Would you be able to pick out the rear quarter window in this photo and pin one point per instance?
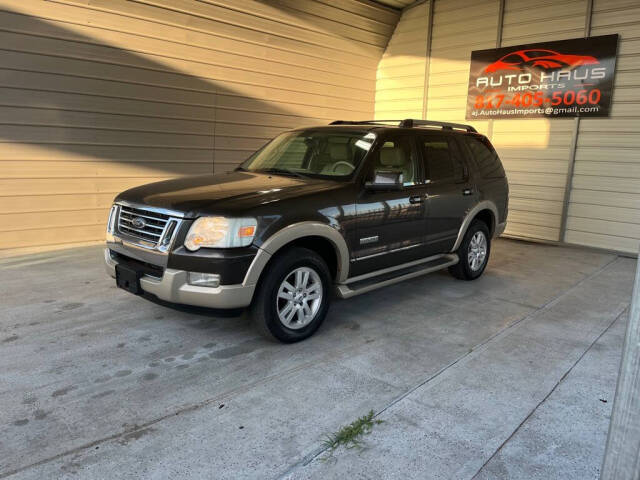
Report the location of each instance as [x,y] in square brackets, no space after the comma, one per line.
[485,157]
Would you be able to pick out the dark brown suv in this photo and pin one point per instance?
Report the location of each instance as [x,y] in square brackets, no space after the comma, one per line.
[344,209]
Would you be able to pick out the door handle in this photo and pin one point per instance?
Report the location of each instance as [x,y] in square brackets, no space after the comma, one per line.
[417,198]
[467,191]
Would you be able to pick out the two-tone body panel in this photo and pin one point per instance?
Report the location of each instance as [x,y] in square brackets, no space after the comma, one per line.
[368,230]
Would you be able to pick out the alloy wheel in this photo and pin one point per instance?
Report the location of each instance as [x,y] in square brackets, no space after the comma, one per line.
[477,253]
[299,298]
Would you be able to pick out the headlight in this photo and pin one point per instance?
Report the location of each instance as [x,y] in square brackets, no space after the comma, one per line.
[220,232]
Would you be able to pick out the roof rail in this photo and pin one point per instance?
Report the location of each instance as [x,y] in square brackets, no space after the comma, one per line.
[363,122]
[409,123]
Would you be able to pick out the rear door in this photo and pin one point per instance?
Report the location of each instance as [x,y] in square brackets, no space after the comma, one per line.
[450,189]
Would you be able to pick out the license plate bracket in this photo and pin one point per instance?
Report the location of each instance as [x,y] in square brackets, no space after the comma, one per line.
[128,279]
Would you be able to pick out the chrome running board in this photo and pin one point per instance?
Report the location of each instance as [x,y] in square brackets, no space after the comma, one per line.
[388,276]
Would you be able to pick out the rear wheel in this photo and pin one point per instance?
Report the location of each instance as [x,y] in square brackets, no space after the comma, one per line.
[293,296]
[473,252]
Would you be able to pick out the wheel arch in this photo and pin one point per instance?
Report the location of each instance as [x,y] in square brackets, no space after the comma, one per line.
[486,211]
[325,240]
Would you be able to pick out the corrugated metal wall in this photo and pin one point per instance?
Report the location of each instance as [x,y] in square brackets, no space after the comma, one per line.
[605,199]
[459,26]
[536,152]
[604,208]
[401,72]
[100,95]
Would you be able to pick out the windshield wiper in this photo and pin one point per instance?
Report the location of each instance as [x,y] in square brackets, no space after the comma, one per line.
[282,171]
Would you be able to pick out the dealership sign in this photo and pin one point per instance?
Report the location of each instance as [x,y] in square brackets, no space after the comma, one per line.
[567,78]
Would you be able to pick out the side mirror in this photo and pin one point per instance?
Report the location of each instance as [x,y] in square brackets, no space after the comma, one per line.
[385,180]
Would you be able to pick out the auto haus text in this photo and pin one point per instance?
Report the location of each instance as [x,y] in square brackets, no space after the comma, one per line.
[544,81]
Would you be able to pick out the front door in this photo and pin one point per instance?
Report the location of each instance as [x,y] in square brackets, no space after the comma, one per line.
[451,191]
[391,224]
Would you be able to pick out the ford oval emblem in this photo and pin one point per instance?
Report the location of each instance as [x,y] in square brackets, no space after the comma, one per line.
[138,222]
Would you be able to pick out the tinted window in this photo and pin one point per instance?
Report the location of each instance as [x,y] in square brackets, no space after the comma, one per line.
[398,155]
[486,157]
[441,161]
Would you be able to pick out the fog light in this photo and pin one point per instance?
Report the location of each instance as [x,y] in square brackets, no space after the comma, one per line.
[203,279]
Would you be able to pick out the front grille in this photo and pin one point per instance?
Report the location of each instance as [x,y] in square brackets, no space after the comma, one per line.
[151,225]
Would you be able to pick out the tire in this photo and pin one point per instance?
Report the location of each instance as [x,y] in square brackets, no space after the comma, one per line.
[472,246]
[270,309]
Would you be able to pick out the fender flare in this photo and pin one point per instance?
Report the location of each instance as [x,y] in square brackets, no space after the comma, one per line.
[483,205]
[293,232]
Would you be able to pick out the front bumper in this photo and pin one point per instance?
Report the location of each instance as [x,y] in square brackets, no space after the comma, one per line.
[173,287]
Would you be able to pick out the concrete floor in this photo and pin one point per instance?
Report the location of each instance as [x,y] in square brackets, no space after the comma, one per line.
[511,376]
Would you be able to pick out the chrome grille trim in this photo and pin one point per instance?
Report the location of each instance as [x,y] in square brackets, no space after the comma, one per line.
[142,233]
[156,231]
[151,210]
[148,225]
[145,232]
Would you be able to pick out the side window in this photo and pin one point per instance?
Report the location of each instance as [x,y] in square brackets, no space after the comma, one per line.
[442,162]
[486,157]
[398,155]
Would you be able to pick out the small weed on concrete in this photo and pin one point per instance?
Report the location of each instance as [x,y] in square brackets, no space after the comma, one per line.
[351,435]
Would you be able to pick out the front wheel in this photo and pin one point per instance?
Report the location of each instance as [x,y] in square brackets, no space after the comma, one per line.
[473,252]
[293,296]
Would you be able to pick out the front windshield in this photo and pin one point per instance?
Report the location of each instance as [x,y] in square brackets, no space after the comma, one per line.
[321,153]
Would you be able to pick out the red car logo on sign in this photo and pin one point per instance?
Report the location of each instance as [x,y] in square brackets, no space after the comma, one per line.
[547,59]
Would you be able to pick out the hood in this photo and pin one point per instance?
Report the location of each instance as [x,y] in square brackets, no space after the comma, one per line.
[227,193]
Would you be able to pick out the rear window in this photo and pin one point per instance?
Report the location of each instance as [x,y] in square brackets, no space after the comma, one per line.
[485,156]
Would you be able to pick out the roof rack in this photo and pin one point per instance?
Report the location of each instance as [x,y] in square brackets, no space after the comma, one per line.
[409,123]
[364,122]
